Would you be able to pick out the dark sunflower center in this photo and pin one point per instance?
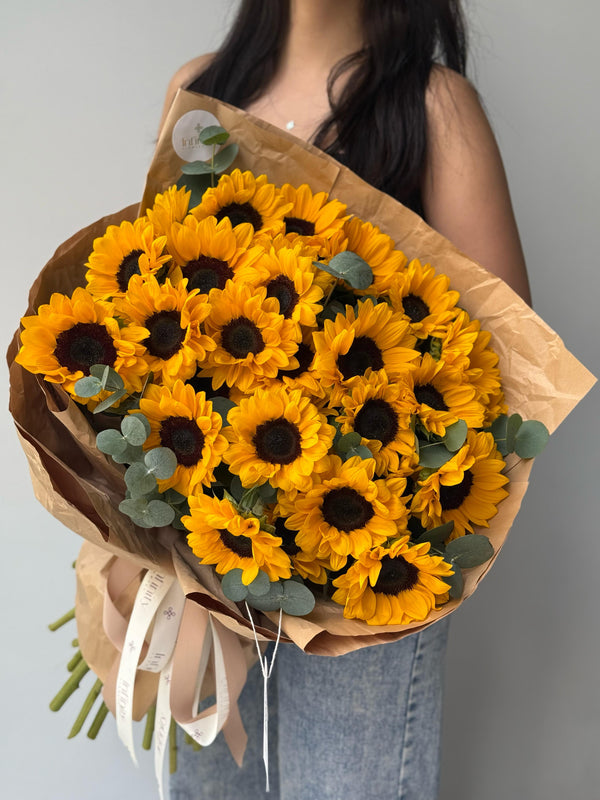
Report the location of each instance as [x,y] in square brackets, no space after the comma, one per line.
[184,438]
[297,225]
[428,395]
[166,334]
[288,544]
[239,213]
[284,290]
[240,545]
[201,384]
[277,441]
[363,354]
[346,509]
[83,345]
[304,355]
[240,337]
[377,420]
[415,307]
[397,575]
[206,273]
[128,267]
[452,497]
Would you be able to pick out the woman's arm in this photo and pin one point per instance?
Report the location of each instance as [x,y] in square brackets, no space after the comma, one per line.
[465,192]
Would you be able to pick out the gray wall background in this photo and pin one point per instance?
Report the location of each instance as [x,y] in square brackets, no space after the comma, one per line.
[81,88]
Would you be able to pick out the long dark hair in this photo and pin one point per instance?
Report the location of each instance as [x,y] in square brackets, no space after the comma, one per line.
[378,126]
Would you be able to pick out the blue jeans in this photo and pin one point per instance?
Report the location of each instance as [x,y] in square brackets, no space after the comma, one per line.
[364,725]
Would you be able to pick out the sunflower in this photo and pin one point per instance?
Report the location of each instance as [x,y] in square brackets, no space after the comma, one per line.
[374,337]
[303,376]
[424,298]
[242,197]
[456,343]
[253,341]
[169,207]
[225,539]
[377,249]
[484,374]
[277,436]
[172,316]
[311,214]
[208,253]
[288,276]
[377,410]
[393,585]
[441,395]
[69,335]
[304,564]
[466,489]
[123,251]
[184,421]
[346,511]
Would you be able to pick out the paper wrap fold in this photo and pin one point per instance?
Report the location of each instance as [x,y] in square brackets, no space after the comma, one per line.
[82,487]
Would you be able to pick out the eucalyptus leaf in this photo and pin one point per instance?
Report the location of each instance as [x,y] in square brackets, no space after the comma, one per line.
[161,461]
[260,585]
[350,267]
[514,423]
[270,601]
[236,489]
[133,507]
[111,400]
[197,185]
[197,168]
[232,586]
[331,310]
[135,428]
[174,498]
[455,435]
[347,441]
[268,493]
[159,514]
[222,405]
[111,442]
[438,535]
[250,497]
[470,550]
[297,599]
[88,386]
[531,438]
[139,481]
[457,583]
[225,157]
[129,456]
[498,431]
[178,524]
[213,134]
[433,456]
[362,451]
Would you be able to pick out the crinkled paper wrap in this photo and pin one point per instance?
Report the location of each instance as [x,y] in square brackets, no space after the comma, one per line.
[81,487]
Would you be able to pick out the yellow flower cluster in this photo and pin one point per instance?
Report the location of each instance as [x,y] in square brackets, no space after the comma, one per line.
[227,299]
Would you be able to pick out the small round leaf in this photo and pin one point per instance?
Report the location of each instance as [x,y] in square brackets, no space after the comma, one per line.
[297,599]
[455,435]
[139,481]
[270,601]
[470,550]
[531,438]
[158,514]
[260,585]
[232,586]
[88,386]
[135,428]
[161,461]
[111,442]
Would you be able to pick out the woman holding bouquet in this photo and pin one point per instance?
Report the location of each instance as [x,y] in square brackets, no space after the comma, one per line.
[379,85]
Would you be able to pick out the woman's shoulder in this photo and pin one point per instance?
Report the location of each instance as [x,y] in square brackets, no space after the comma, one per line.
[183,77]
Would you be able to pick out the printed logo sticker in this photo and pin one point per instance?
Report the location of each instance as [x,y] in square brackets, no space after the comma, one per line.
[187,129]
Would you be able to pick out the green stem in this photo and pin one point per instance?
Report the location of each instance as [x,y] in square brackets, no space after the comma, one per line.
[173,747]
[192,742]
[54,626]
[98,720]
[149,730]
[74,661]
[72,683]
[85,709]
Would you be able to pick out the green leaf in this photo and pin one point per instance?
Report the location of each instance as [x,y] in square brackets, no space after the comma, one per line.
[178,524]
[268,493]
[197,168]
[173,498]
[222,405]
[134,508]
[111,442]
[297,599]
[135,428]
[351,268]
[110,401]
[130,455]
[161,461]
[362,451]
[139,480]
[88,386]
[260,585]
[331,310]
[436,536]
[433,456]
[514,423]
[197,185]
[531,438]
[347,441]
[250,497]
[470,550]
[109,378]
[457,583]
[455,435]
[270,601]
[236,489]
[158,514]
[498,431]
[232,586]
[225,157]
[213,134]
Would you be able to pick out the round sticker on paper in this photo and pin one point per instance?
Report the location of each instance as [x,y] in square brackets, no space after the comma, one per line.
[187,129]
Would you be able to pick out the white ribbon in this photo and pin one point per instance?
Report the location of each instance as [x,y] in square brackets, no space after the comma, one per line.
[151,593]
[162,726]
[166,628]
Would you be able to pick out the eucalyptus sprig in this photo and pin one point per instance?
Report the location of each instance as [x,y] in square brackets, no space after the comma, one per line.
[198,176]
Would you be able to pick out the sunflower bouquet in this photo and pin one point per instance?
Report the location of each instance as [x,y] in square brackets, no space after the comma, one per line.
[293,400]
